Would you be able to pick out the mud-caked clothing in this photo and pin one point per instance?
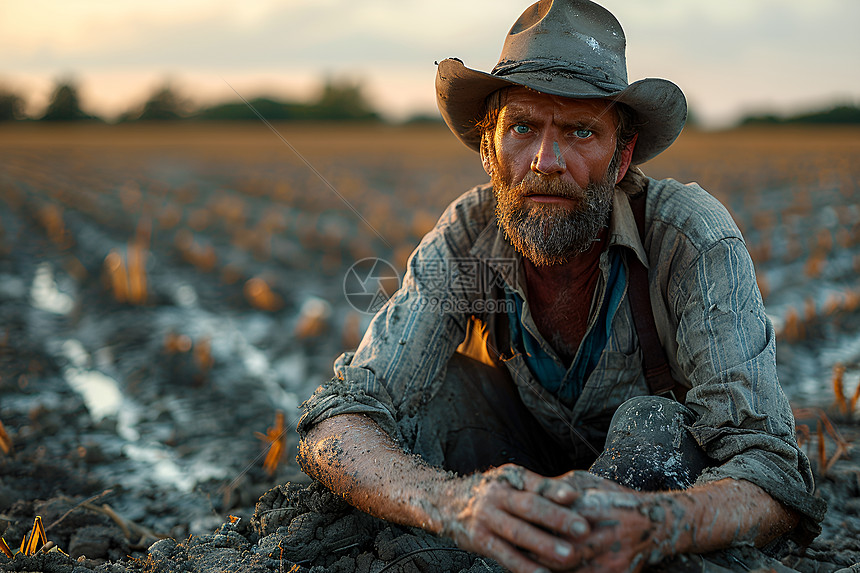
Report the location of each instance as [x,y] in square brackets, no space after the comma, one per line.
[464,285]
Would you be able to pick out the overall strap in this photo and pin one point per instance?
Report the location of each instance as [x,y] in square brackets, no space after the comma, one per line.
[654,363]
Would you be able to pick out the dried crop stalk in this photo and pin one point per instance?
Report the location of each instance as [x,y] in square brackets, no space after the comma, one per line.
[5,440]
[276,438]
[34,540]
[838,388]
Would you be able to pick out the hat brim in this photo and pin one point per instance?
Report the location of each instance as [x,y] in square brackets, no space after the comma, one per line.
[660,105]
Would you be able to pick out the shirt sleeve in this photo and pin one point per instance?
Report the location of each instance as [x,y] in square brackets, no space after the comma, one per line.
[727,348]
[402,358]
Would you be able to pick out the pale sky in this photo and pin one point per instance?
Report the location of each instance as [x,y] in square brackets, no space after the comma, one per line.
[730,57]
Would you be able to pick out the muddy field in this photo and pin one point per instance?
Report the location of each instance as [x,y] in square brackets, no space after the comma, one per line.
[167,291]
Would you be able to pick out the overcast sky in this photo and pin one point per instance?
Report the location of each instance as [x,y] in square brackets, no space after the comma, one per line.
[730,57]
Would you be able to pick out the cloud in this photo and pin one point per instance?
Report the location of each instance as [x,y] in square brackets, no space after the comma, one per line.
[725,54]
[784,54]
[321,33]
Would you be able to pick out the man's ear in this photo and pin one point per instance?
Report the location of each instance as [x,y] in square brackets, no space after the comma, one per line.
[485,153]
[626,157]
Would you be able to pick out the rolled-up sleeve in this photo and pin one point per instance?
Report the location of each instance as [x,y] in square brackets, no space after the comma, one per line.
[727,348]
[353,390]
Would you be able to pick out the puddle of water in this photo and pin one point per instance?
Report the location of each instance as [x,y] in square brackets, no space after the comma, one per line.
[45,295]
[165,469]
[162,469]
[100,392]
[257,364]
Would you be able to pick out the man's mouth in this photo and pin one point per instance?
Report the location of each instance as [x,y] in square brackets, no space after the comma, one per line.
[544,198]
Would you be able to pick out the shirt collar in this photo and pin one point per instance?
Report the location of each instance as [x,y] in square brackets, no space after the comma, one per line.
[622,226]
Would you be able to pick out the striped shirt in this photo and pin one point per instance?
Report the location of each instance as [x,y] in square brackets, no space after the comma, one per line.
[707,306]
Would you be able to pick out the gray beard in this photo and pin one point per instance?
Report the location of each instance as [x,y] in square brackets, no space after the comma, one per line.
[552,234]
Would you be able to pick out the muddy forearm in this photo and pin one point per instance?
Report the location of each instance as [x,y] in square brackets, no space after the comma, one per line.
[508,513]
[719,515]
[355,458]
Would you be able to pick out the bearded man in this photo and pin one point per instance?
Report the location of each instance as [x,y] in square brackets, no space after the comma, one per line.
[552,386]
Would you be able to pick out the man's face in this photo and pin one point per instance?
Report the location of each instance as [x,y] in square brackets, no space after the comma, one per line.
[551,162]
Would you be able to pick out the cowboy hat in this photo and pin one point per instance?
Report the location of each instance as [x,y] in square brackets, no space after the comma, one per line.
[569,48]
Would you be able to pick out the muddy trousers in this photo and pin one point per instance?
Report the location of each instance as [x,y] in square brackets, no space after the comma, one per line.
[477,421]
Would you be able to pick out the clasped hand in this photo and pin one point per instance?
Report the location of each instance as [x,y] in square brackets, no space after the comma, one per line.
[530,523]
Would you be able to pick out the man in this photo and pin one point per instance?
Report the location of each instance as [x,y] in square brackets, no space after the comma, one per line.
[476,402]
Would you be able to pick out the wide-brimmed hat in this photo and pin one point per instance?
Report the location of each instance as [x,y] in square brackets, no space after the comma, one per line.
[570,48]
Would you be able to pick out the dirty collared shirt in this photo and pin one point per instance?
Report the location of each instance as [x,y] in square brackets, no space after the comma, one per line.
[710,318]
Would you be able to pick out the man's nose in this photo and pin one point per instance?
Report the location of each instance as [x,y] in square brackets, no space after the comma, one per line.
[549,159]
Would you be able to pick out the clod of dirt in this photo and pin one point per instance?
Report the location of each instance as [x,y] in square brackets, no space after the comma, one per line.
[98,542]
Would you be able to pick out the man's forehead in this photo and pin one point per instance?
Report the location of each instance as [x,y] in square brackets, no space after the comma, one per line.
[521,100]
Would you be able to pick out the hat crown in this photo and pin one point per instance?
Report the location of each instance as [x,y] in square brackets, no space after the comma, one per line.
[574,34]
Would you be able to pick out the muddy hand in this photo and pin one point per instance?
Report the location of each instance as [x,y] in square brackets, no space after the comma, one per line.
[510,514]
[581,480]
[624,529]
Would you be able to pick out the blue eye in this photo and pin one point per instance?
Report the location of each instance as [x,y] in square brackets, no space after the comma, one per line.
[583,133]
[521,129]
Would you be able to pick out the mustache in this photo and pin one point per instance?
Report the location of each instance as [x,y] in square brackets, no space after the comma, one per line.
[533,184]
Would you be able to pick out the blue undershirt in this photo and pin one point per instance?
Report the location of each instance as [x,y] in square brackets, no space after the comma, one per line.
[567,384]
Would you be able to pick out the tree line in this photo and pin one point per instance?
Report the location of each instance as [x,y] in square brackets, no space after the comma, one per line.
[836,115]
[339,100]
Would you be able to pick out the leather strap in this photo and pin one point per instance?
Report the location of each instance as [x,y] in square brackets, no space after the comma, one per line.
[654,363]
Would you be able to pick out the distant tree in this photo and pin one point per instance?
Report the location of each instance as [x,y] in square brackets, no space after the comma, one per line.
[424,118]
[269,108]
[165,104]
[763,119]
[11,106]
[842,114]
[336,101]
[65,104]
[836,115]
[343,100]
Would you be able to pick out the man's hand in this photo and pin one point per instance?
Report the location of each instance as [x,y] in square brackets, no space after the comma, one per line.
[624,525]
[629,529]
[517,517]
[626,529]
[576,522]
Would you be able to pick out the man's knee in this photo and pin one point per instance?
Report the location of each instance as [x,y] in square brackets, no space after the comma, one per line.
[649,448]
